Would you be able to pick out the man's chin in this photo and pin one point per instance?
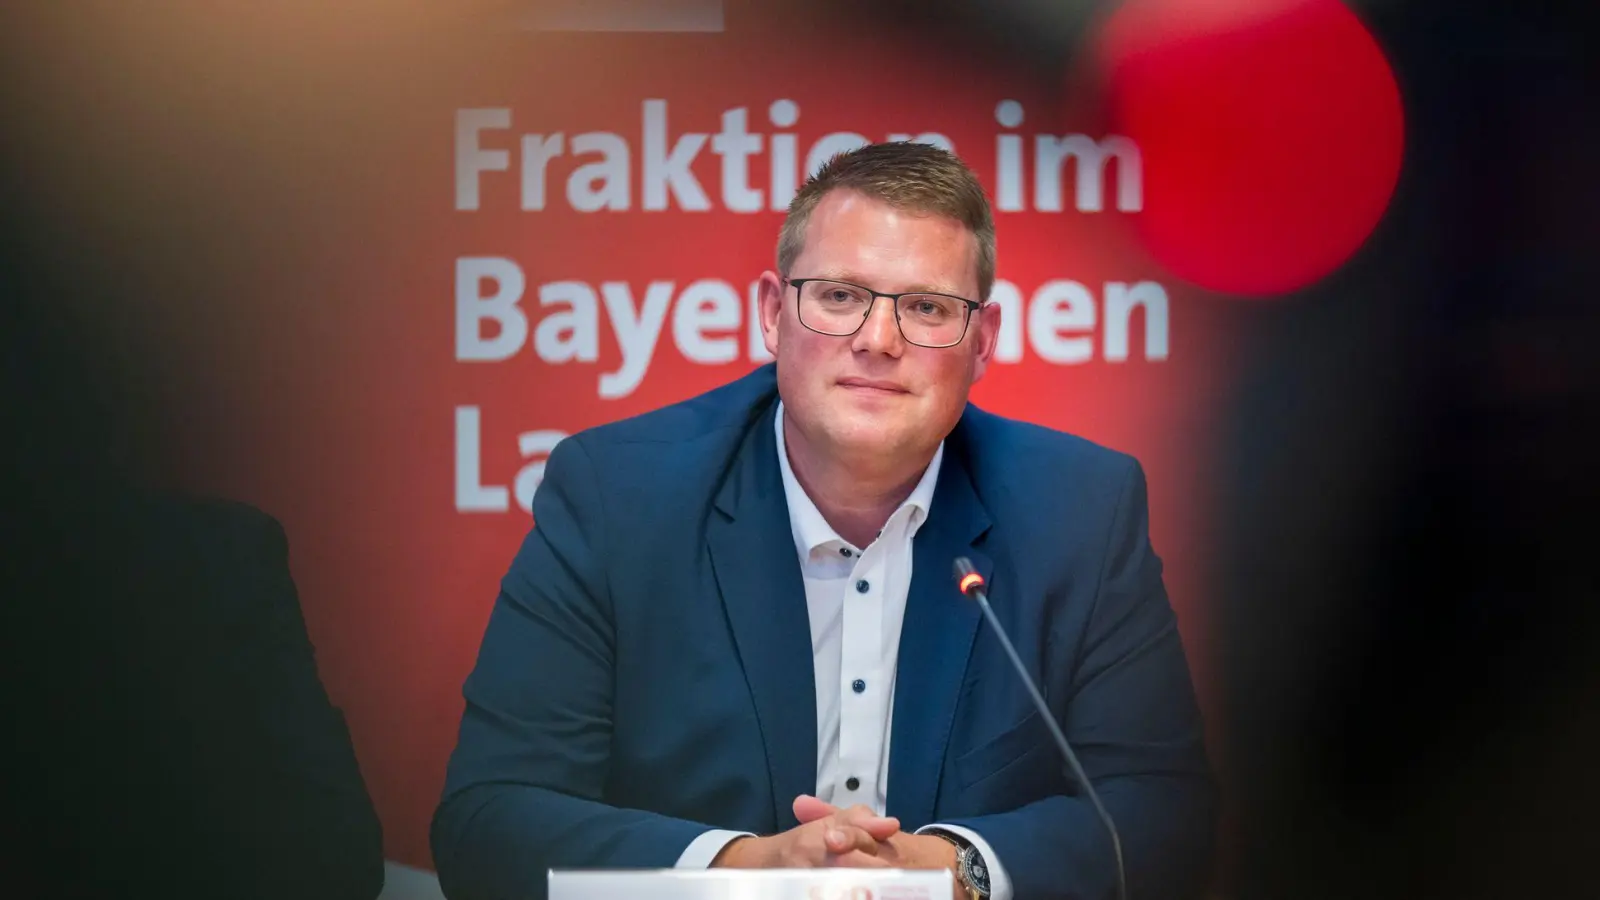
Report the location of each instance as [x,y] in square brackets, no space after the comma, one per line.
[866,435]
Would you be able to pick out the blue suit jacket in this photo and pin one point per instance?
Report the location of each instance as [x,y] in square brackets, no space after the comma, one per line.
[646,672]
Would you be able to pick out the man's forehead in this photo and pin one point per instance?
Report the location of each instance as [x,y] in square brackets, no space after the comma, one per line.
[914,262]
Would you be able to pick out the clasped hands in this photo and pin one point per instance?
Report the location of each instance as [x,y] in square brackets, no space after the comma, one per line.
[828,836]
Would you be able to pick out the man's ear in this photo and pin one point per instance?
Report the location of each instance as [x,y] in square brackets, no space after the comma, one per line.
[770,307]
[985,332]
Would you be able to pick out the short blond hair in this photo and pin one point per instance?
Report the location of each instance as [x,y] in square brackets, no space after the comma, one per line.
[920,178]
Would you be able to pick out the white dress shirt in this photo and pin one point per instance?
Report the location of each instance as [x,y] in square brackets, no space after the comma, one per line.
[856,601]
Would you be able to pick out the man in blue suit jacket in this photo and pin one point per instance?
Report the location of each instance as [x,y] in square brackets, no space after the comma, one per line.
[733,637]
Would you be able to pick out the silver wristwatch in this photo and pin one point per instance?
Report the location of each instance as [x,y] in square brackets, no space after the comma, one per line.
[971,872]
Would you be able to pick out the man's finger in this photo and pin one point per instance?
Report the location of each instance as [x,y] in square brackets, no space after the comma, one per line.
[847,839]
[809,809]
[880,827]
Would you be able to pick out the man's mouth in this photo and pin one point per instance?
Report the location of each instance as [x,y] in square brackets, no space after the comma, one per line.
[873,385]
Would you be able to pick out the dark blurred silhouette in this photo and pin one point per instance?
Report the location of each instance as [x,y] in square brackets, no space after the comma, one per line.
[167,732]
[1408,614]
[174,176]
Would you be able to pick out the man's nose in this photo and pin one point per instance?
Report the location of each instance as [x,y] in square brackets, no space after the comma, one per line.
[880,333]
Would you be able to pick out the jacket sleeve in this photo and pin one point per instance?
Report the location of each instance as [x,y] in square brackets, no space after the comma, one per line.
[1133,721]
[524,792]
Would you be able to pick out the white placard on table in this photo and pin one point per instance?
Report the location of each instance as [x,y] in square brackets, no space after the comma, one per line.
[751,884]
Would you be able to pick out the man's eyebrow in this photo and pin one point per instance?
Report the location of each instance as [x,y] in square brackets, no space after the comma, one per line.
[936,289]
[921,287]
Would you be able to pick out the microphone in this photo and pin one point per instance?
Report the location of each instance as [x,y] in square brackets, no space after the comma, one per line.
[971,584]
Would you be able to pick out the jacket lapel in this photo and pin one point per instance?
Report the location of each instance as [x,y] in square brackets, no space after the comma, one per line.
[758,573]
[935,641]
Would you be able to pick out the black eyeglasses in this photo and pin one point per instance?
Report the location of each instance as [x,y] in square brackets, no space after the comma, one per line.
[839,309]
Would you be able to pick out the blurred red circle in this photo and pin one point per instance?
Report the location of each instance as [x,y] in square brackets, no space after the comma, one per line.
[1270,131]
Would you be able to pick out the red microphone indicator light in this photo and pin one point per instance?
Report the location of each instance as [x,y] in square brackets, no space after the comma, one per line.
[968,578]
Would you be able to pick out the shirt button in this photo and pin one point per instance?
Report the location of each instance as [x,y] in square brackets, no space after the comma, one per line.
[858,685]
[852,783]
[862,586]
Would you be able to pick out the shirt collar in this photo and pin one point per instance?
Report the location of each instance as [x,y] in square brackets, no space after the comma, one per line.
[811,530]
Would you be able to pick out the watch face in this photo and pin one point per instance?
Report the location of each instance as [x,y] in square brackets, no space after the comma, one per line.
[976,873]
